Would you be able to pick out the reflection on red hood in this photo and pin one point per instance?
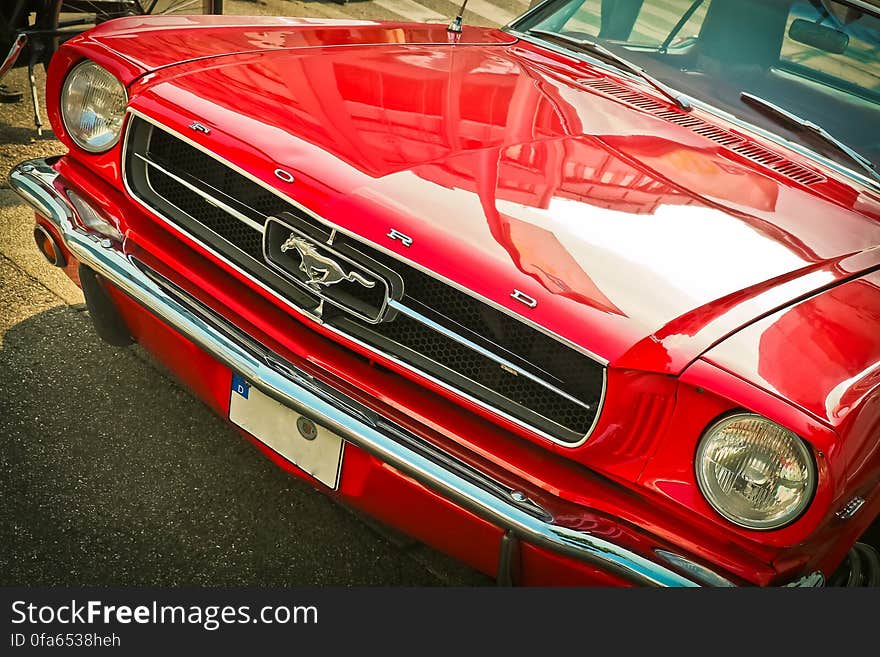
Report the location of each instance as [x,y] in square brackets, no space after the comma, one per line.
[539,253]
[641,240]
[702,175]
[154,42]
[837,345]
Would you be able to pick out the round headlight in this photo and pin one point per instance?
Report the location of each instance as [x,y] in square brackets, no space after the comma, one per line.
[754,472]
[93,107]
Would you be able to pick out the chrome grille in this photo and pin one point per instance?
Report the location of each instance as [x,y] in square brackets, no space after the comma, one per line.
[433,328]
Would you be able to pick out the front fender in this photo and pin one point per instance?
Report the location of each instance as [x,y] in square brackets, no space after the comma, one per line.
[822,355]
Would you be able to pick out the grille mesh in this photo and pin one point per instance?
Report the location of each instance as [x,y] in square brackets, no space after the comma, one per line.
[465,361]
[406,339]
[218,220]
[192,162]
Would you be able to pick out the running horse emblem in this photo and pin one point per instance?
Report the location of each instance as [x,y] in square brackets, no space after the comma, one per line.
[320,269]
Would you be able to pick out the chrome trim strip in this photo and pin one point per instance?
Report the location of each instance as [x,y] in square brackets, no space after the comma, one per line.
[500,351]
[464,395]
[861,4]
[305,313]
[473,346]
[697,570]
[355,236]
[37,181]
[212,200]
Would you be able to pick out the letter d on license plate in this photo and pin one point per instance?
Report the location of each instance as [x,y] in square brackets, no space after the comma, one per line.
[304,443]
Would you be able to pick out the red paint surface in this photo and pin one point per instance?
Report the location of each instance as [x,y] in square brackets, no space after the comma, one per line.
[507,174]
[643,242]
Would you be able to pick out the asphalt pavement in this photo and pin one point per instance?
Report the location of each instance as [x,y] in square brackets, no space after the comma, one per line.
[112,474]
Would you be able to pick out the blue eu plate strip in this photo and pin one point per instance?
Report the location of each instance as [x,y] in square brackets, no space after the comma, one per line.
[240,386]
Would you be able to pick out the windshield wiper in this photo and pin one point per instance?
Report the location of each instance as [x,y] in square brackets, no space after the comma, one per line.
[774,110]
[603,52]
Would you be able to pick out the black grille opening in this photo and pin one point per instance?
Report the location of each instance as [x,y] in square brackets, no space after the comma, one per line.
[190,162]
[510,337]
[433,353]
[212,217]
[196,192]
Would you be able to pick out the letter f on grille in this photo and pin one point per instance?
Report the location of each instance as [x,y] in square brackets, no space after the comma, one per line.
[321,269]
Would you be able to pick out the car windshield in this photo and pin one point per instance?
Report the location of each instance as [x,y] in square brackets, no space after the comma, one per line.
[817,60]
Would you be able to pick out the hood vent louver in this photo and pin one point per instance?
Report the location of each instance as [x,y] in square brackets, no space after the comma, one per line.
[759,154]
[798,173]
[733,142]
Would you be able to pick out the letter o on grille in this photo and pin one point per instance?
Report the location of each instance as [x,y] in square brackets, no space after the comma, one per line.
[286,176]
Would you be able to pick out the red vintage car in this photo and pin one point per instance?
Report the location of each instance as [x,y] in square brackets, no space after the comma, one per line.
[590,299]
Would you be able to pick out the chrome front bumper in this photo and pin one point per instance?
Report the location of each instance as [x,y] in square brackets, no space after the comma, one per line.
[43,188]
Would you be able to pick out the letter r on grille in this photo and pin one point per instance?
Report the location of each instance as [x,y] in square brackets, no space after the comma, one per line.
[406,240]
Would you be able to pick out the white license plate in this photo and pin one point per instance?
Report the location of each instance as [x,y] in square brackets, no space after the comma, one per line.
[304,443]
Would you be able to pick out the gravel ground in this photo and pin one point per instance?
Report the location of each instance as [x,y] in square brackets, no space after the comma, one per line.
[18,139]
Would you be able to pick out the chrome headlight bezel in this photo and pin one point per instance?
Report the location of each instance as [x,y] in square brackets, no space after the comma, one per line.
[792,443]
[112,122]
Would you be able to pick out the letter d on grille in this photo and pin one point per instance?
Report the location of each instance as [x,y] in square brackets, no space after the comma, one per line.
[335,272]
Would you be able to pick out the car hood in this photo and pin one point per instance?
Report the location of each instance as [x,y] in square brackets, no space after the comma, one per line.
[151,43]
[641,240]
